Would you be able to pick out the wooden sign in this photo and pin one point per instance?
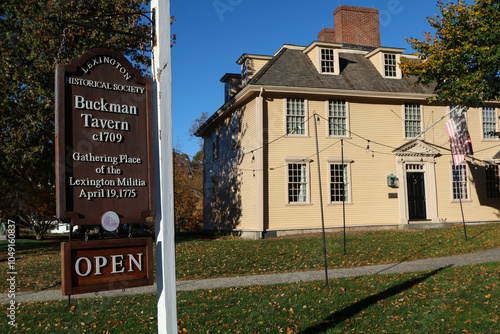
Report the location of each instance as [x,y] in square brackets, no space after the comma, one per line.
[92,266]
[104,140]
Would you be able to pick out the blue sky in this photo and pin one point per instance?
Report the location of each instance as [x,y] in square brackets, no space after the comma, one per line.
[213,34]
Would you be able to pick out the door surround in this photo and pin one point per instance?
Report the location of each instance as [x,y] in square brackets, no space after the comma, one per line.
[417,156]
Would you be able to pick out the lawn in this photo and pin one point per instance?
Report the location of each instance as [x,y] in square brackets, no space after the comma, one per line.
[450,300]
[198,257]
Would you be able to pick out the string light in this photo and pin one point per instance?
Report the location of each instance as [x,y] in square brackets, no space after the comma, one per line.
[368,146]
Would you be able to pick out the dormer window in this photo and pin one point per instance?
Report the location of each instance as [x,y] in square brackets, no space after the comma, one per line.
[386,61]
[327,61]
[390,66]
[325,57]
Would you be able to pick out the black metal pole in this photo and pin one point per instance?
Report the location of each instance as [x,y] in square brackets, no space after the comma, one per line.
[462,210]
[343,193]
[321,201]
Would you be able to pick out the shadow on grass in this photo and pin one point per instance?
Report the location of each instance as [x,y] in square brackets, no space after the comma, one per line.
[351,310]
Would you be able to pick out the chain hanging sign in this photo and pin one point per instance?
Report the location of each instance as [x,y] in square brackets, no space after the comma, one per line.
[104,141]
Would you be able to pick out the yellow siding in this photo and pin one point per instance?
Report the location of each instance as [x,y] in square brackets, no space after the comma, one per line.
[377,62]
[313,55]
[381,122]
[247,135]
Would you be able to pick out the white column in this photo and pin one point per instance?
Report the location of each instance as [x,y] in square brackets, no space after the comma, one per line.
[259,158]
[165,231]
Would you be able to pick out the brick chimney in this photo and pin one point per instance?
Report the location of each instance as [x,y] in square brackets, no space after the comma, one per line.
[353,25]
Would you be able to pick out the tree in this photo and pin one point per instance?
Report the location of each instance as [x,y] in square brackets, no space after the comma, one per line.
[188,199]
[462,59]
[196,125]
[34,38]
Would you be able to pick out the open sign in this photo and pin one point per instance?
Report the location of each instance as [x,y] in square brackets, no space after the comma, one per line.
[92,266]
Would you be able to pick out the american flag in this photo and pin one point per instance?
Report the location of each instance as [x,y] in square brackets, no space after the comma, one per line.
[460,143]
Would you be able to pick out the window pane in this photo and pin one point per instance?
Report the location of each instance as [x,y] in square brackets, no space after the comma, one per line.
[390,65]
[297,182]
[338,183]
[489,122]
[337,118]
[327,61]
[295,116]
[459,182]
[492,181]
[412,120]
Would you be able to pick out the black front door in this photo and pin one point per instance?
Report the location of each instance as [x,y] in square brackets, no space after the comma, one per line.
[416,196]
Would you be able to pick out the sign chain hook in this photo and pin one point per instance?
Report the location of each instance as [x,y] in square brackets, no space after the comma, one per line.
[63,45]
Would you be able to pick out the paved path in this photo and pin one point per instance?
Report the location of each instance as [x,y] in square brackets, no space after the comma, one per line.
[492,255]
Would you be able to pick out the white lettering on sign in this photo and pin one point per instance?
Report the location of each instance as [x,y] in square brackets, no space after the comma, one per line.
[102,105]
[118,264]
[105,85]
[106,60]
[99,123]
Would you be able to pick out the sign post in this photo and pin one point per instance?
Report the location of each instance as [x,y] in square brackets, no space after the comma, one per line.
[165,229]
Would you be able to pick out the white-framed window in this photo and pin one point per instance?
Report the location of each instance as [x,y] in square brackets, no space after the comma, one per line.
[492,181]
[390,65]
[296,116]
[413,120]
[298,182]
[340,180]
[489,120]
[338,118]
[460,182]
[327,60]
[339,183]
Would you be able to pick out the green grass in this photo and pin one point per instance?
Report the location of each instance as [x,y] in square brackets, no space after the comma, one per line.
[198,259]
[450,300]
[38,262]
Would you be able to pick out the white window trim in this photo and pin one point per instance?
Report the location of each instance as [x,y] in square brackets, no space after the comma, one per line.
[347,162]
[467,185]
[482,126]
[422,136]
[336,65]
[382,65]
[306,117]
[348,119]
[298,160]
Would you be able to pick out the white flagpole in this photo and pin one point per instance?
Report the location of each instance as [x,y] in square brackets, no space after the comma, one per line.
[436,122]
[162,109]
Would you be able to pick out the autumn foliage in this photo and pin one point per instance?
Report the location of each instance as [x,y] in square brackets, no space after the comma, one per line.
[188,189]
[462,58]
[34,38]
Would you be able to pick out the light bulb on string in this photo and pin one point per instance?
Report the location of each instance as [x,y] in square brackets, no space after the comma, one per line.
[368,146]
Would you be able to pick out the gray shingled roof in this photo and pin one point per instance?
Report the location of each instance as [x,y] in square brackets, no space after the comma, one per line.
[293,68]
